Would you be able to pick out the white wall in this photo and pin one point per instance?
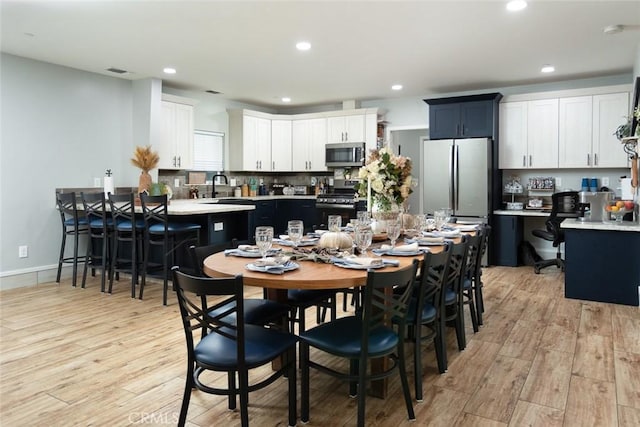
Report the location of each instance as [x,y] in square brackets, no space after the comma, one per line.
[60,128]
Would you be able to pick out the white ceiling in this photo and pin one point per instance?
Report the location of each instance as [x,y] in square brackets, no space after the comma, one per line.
[359,49]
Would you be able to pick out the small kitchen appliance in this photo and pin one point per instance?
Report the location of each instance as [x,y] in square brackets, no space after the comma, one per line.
[591,205]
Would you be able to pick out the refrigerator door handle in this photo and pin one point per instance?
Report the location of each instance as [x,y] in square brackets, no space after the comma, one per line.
[452,169]
[456,179]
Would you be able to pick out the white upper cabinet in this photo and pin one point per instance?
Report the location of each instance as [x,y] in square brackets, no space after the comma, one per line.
[309,139]
[529,134]
[347,128]
[249,142]
[587,126]
[513,135]
[281,139]
[576,132]
[609,112]
[176,139]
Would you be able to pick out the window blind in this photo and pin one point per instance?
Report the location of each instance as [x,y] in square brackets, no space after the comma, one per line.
[208,151]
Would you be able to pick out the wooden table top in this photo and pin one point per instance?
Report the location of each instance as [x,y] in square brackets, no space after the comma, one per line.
[310,275]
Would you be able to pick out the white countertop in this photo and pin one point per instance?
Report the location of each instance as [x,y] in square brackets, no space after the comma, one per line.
[202,206]
[523,212]
[597,225]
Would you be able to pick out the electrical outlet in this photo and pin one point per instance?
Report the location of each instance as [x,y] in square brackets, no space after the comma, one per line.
[558,182]
[23,251]
[176,182]
[97,182]
[218,226]
[605,181]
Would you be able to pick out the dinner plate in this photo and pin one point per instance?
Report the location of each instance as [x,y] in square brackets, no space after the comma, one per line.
[250,253]
[303,242]
[468,227]
[397,253]
[425,243]
[355,266]
[273,269]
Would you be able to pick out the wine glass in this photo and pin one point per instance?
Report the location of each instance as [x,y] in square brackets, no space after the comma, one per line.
[334,223]
[440,218]
[264,239]
[364,218]
[364,236]
[393,231]
[295,229]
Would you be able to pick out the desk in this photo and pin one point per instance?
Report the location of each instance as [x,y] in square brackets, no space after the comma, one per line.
[508,233]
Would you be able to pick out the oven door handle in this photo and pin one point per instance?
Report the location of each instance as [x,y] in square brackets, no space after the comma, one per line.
[334,206]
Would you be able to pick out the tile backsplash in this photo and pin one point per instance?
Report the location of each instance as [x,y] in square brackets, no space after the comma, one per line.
[181,177]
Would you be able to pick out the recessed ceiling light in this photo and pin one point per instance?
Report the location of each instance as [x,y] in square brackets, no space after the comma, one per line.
[613,29]
[169,70]
[516,5]
[548,69]
[286,99]
[396,87]
[303,45]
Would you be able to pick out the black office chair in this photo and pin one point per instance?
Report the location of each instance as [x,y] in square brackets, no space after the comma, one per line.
[563,205]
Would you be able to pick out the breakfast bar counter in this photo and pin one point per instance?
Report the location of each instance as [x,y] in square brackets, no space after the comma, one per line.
[602,261]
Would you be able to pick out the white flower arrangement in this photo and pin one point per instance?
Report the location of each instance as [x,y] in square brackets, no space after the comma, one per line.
[385,179]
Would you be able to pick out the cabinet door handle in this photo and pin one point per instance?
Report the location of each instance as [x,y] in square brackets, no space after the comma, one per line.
[257,165]
[588,159]
[309,164]
[524,160]
[273,165]
[179,161]
[457,129]
[595,159]
[530,160]
[464,130]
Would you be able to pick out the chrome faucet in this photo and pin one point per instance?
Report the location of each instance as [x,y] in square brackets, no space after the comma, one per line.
[226,181]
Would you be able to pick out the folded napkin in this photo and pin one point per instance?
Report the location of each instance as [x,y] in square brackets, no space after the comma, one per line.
[412,247]
[248,248]
[271,261]
[444,233]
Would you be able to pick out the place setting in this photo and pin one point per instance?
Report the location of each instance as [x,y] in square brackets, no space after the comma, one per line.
[273,265]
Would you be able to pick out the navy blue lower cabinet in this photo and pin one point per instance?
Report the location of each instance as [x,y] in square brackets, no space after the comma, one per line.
[506,237]
[602,265]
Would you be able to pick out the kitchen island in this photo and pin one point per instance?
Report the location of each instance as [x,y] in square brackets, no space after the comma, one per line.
[602,261]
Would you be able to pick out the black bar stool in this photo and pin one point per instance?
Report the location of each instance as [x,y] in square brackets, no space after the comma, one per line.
[100,232]
[74,225]
[127,239]
[160,232]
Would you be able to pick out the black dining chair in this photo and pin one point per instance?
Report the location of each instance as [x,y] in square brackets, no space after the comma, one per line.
[425,312]
[229,346]
[453,300]
[74,224]
[257,311]
[367,334]
[474,248]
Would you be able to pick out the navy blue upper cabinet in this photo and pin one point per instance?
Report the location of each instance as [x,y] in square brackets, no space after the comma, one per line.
[473,116]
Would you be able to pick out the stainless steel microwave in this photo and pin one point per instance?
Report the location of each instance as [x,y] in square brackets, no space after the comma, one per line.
[345,154]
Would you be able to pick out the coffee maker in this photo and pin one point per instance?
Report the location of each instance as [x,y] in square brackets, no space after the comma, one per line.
[591,205]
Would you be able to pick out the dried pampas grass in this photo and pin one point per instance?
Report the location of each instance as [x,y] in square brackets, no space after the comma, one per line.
[145,159]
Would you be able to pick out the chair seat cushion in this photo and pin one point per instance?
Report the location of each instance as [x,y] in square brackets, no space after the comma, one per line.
[450,296]
[173,227]
[543,235]
[97,223]
[466,283]
[342,338]
[428,312]
[256,311]
[126,225]
[306,297]
[217,352]
[70,222]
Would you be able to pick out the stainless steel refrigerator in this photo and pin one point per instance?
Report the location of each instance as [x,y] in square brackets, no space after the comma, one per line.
[456,174]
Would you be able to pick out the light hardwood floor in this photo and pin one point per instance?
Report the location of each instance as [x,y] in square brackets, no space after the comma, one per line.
[72,356]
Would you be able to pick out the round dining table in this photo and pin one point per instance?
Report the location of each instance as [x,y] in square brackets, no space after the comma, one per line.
[310,275]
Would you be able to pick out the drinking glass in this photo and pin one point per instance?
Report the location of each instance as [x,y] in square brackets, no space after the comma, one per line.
[393,231]
[364,235]
[448,213]
[264,239]
[440,217]
[364,218]
[295,229]
[334,222]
